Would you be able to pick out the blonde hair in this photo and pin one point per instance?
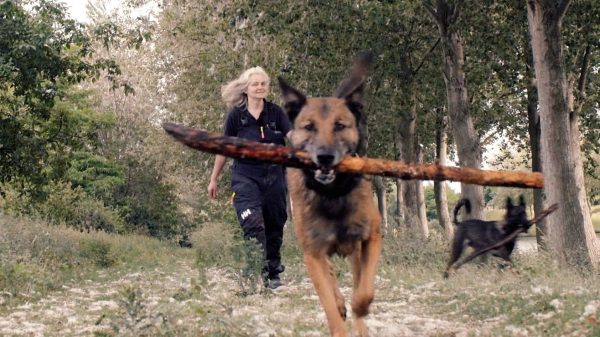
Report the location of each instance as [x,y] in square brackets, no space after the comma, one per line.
[233,93]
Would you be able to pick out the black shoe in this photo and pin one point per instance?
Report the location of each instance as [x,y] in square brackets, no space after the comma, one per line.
[274,283]
[274,273]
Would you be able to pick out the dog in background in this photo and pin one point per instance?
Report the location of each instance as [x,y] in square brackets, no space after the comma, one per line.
[480,234]
[333,212]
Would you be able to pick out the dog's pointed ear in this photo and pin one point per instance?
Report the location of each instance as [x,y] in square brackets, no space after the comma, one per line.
[509,203]
[522,200]
[352,88]
[294,100]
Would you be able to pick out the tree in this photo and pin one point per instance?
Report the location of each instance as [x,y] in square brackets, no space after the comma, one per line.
[439,187]
[44,54]
[40,48]
[310,44]
[445,15]
[571,236]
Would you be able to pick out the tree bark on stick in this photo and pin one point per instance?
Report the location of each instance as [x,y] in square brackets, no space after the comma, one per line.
[241,148]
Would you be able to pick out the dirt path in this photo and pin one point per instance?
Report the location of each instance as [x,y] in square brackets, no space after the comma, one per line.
[82,309]
[156,302]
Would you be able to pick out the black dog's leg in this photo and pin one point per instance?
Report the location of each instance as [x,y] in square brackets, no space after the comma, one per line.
[504,253]
[455,251]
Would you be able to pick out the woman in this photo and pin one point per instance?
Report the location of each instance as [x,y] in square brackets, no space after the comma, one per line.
[259,188]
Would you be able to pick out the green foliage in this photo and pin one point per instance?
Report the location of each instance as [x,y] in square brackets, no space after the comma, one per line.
[33,260]
[452,198]
[134,318]
[36,57]
[98,252]
[96,175]
[63,205]
[37,258]
[222,244]
[250,279]
[42,117]
[409,250]
[75,208]
[148,203]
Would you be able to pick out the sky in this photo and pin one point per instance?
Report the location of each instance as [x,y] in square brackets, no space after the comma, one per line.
[77,9]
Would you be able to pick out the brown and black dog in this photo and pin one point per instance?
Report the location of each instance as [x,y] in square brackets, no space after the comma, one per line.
[334,213]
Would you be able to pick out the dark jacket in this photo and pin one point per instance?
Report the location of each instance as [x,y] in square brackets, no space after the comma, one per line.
[271,127]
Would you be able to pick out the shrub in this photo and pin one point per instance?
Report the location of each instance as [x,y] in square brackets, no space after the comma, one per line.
[79,210]
[97,252]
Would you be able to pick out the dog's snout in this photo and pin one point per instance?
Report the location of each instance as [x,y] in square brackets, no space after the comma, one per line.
[325,158]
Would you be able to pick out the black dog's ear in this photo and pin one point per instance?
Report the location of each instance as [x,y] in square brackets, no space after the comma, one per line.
[509,203]
[294,99]
[522,200]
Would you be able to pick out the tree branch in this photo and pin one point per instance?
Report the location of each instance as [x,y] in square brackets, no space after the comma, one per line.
[585,63]
[282,155]
[432,12]
[425,56]
[561,9]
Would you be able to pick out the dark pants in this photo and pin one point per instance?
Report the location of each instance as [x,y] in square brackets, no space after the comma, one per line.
[260,204]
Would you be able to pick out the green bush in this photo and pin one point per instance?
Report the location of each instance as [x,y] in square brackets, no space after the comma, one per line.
[149,204]
[63,205]
[409,249]
[97,252]
[79,210]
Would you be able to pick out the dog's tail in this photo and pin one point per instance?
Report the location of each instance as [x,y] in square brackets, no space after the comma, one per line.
[462,202]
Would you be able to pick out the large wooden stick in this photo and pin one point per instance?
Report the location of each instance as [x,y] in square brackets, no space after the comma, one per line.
[242,148]
[507,239]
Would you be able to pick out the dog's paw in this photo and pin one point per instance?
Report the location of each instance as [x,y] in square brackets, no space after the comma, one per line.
[359,328]
[360,305]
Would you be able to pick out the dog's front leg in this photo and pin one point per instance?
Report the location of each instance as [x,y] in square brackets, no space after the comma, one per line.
[319,268]
[364,265]
[339,298]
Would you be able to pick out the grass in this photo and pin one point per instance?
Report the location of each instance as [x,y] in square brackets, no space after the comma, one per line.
[497,214]
[536,298]
[595,210]
[36,258]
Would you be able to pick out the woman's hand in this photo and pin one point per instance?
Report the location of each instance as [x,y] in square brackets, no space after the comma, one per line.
[212,189]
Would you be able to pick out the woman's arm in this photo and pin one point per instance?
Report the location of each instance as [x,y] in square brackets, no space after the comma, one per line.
[214,177]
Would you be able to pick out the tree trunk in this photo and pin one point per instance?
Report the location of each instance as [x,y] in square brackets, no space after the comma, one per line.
[399,204]
[533,118]
[407,128]
[467,142]
[570,234]
[381,200]
[422,209]
[439,187]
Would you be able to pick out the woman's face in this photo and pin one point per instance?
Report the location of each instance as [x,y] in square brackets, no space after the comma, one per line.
[258,87]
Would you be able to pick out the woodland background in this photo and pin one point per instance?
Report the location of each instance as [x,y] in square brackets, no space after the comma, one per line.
[81,104]
[95,198]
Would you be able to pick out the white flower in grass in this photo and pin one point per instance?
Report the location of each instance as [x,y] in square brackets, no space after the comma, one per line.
[556,304]
[540,290]
[591,308]
[517,331]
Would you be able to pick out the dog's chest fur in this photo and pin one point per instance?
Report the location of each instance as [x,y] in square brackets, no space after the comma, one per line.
[337,223]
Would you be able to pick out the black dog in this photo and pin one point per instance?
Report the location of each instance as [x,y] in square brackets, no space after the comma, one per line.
[480,234]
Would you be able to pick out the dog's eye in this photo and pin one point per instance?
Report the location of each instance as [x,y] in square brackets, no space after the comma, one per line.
[310,127]
[338,127]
